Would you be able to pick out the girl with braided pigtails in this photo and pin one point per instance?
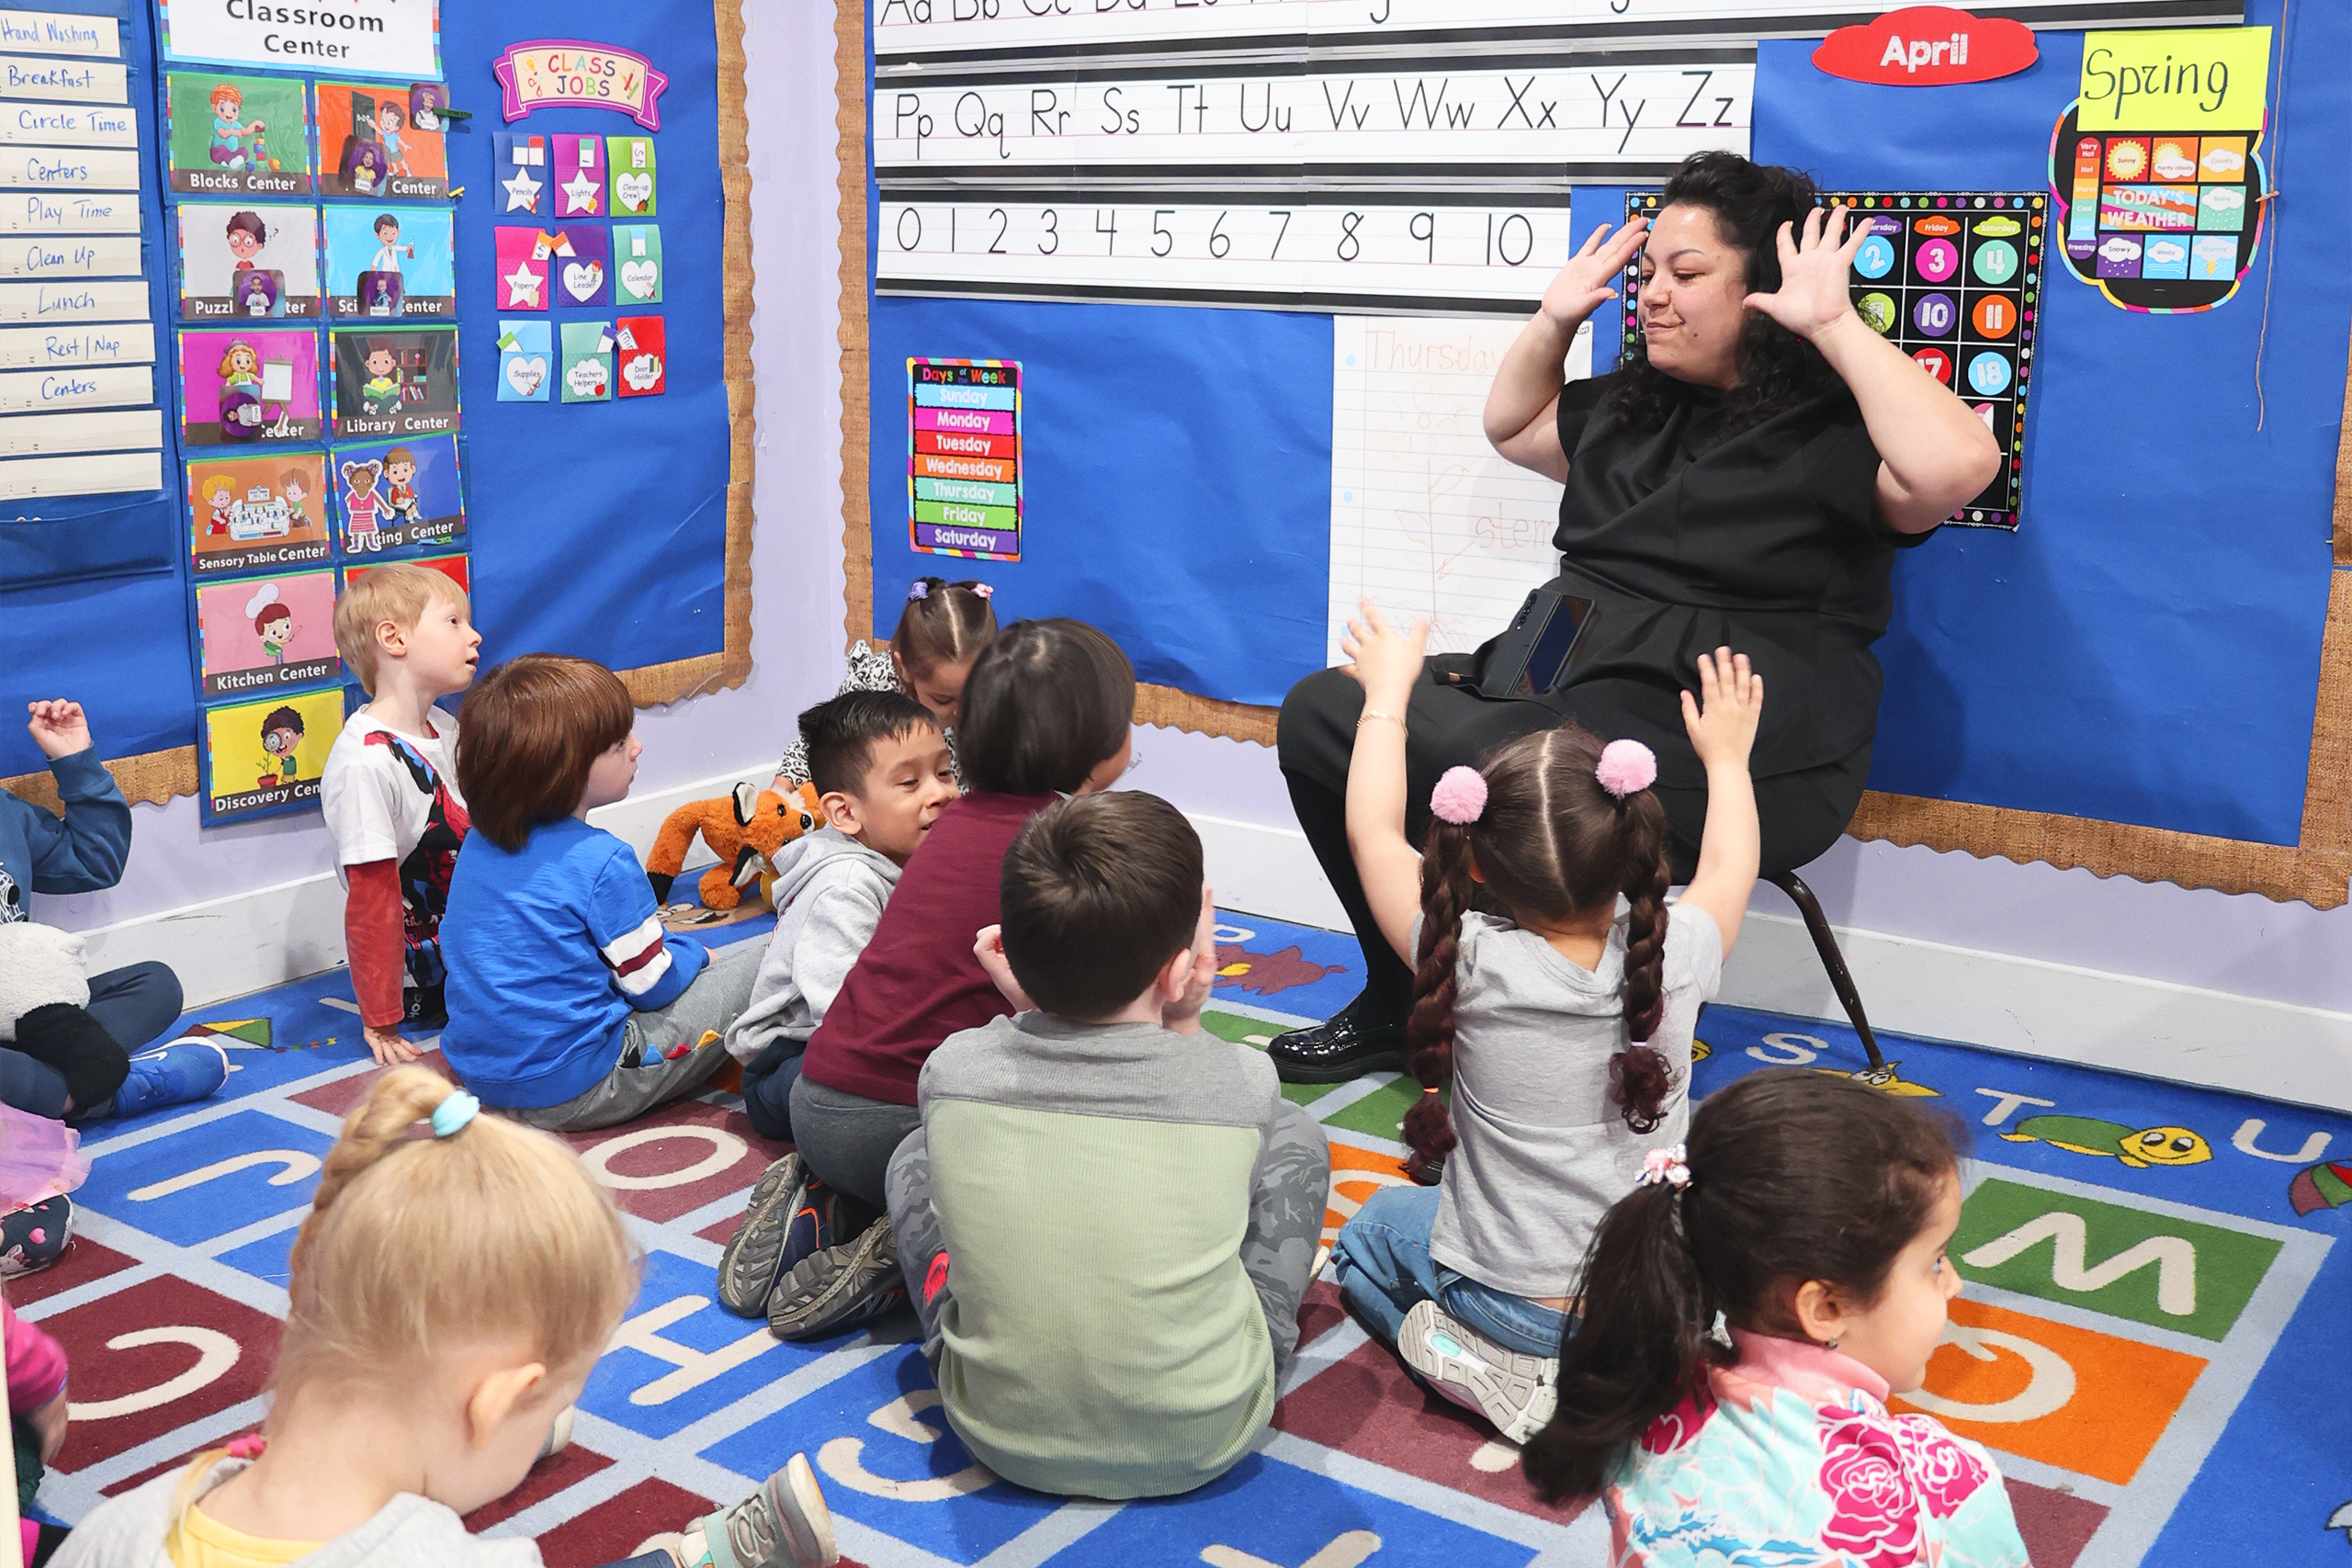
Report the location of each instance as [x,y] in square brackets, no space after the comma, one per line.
[1561,1025]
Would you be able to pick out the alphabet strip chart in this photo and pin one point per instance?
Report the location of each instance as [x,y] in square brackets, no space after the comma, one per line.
[907,29]
[1315,252]
[71,170]
[1624,114]
[1954,280]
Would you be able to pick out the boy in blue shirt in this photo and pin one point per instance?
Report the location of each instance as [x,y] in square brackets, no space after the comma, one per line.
[83,852]
[568,1004]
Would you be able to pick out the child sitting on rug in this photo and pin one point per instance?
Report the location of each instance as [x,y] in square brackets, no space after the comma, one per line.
[390,796]
[1562,1027]
[84,850]
[881,768]
[568,1005]
[1107,1215]
[940,632]
[1048,711]
[409,1393]
[1810,1213]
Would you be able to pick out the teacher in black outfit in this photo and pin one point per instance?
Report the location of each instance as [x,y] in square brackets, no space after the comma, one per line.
[1745,477]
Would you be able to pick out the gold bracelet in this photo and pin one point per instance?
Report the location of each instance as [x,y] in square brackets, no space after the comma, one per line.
[1375,712]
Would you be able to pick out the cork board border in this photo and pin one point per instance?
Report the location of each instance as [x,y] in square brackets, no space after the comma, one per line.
[2316,870]
[157,776]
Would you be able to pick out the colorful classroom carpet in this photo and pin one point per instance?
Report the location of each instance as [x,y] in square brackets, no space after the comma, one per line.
[2152,1338]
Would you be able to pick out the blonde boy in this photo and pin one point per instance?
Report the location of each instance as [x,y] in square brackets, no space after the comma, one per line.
[391,791]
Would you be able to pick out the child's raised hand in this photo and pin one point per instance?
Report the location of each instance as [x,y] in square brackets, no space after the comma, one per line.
[989,948]
[1722,719]
[59,727]
[1387,660]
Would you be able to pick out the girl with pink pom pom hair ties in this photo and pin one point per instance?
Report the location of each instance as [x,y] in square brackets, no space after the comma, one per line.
[1561,1025]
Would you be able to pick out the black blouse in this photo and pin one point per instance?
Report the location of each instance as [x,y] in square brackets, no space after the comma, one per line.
[1767,540]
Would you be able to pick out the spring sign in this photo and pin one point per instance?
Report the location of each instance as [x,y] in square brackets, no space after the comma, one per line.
[567,73]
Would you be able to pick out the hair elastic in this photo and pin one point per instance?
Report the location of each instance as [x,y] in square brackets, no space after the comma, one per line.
[454,1112]
[918,589]
[982,590]
[1667,1165]
[1627,767]
[1460,796]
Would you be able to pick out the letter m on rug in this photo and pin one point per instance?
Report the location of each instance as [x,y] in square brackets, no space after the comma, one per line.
[2153,1269]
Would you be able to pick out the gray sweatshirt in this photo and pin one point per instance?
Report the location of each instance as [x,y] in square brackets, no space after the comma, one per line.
[830,890]
[128,1532]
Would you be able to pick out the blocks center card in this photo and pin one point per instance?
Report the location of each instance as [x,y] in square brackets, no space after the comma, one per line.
[232,135]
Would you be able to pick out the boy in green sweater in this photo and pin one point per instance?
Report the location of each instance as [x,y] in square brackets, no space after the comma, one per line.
[1108,1216]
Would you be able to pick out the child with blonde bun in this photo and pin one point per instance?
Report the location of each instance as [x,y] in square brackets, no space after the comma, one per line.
[448,1295]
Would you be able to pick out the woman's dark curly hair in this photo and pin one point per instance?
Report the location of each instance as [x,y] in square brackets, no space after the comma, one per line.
[1777,369]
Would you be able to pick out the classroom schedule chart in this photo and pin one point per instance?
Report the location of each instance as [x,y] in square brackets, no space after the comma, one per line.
[78,410]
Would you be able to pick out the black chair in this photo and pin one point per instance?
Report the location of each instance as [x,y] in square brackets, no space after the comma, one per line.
[1825,942]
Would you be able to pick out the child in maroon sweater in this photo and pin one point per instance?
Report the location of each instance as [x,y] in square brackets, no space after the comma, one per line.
[1048,711]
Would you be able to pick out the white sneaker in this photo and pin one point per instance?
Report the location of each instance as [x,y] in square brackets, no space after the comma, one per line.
[1510,1388]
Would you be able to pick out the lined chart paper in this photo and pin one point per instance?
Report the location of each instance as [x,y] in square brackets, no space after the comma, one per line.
[1426,517]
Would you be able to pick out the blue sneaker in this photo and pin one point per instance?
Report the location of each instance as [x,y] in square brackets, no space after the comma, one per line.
[182,1071]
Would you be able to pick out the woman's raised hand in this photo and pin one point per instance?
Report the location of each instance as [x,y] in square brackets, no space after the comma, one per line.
[1387,660]
[1590,278]
[1814,293]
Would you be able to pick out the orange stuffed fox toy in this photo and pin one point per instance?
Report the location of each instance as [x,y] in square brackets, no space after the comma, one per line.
[743,829]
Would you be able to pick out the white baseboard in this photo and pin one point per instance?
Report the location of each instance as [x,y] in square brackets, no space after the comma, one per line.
[2006,1003]
[230,947]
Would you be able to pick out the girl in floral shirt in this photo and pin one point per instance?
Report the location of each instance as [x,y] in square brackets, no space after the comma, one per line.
[1810,1213]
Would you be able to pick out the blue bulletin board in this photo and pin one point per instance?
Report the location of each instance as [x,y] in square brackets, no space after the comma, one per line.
[2132,680]
[616,529]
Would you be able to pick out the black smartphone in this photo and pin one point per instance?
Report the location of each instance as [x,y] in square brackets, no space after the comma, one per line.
[1532,655]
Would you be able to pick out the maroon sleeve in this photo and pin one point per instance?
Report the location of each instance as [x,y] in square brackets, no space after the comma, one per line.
[371,932]
[35,1363]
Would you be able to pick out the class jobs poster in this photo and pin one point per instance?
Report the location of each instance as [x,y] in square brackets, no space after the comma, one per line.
[963,458]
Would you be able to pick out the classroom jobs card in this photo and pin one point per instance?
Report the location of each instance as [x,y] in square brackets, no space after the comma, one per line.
[578,175]
[258,512]
[372,142]
[266,756]
[583,271]
[631,161]
[237,135]
[963,458]
[392,495]
[261,634]
[250,384]
[637,264]
[401,41]
[643,354]
[519,164]
[587,362]
[248,263]
[524,372]
[2158,169]
[396,382]
[1426,518]
[387,261]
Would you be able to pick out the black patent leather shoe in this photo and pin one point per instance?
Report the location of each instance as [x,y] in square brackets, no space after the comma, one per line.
[1335,1052]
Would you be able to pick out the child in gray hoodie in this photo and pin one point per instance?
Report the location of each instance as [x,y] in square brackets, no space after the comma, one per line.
[883,772]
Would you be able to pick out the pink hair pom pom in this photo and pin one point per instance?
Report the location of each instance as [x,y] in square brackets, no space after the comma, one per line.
[984,591]
[1627,767]
[1460,796]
